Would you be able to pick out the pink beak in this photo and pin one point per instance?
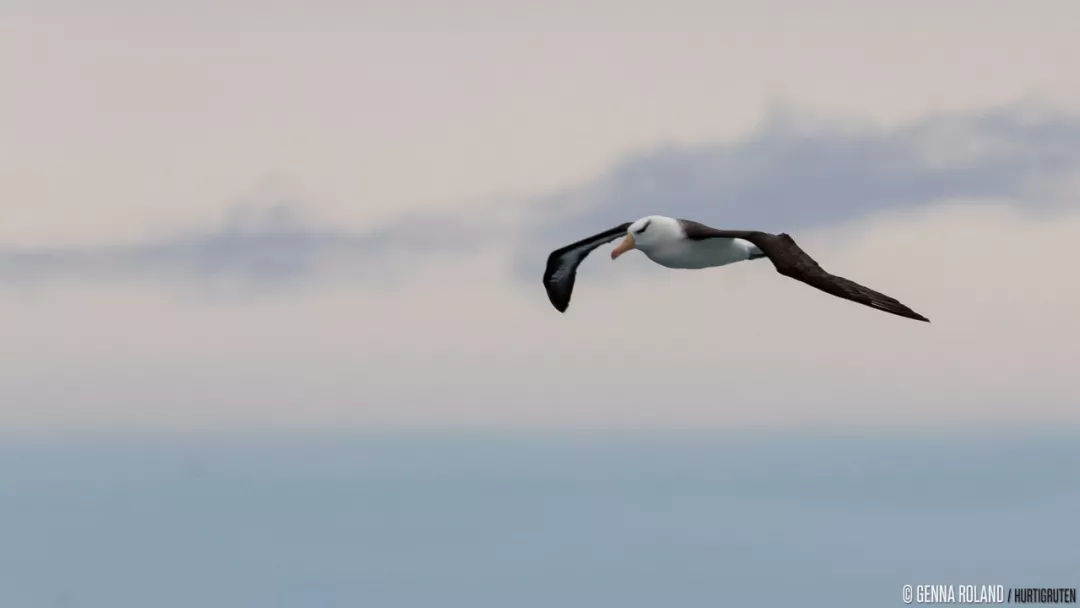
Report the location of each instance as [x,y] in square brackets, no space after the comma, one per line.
[626,245]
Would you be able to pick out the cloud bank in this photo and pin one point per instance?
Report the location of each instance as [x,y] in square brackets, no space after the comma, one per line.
[789,174]
[274,244]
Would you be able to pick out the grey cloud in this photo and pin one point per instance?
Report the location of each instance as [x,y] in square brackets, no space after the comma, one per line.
[253,244]
[790,175]
[786,176]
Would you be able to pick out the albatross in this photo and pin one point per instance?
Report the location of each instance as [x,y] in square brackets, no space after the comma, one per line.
[678,243]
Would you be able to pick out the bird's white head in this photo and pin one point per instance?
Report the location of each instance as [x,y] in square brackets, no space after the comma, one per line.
[647,233]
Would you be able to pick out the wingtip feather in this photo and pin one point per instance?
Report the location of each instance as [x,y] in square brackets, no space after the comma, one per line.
[911,314]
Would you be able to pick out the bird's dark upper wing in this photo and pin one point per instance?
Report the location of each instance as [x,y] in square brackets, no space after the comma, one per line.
[791,261]
[562,265]
[696,231]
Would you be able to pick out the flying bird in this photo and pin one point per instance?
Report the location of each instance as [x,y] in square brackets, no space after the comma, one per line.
[677,243]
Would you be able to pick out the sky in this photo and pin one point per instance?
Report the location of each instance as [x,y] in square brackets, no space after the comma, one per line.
[230,216]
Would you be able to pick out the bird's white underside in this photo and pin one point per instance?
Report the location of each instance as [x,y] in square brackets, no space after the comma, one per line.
[684,253]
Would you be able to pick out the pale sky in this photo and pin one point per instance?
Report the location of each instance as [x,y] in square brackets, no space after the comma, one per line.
[321,215]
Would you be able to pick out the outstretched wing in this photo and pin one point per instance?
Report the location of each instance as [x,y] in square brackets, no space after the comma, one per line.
[791,261]
[562,265]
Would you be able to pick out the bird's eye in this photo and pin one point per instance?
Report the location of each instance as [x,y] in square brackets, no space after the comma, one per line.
[643,227]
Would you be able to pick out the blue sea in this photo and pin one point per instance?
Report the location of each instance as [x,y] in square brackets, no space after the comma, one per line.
[544,519]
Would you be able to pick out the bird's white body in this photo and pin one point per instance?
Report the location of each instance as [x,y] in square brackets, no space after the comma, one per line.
[699,254]
[665,243]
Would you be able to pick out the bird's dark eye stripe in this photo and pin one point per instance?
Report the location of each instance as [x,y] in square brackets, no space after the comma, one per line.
[647,222]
